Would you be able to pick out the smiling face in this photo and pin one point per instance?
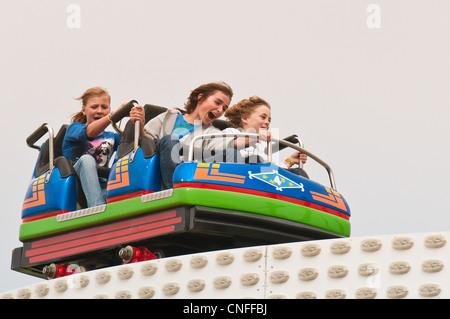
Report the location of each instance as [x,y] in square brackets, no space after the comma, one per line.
[212,107]
[96,108]
[259,119]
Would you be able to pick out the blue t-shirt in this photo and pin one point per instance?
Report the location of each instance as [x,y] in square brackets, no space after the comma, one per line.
[182,128]
[76,144]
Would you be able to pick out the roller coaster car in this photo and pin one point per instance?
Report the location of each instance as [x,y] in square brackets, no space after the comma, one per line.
[212,206]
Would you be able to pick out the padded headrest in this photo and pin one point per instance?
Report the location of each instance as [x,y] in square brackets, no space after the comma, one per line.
[220,124]
[152,111]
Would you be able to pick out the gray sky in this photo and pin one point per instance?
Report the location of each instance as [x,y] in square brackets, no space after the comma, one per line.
[364,83]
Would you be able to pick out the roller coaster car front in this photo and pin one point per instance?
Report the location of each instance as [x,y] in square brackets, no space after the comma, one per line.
[212,206]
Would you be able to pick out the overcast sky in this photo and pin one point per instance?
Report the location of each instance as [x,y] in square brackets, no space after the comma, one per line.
[364,83]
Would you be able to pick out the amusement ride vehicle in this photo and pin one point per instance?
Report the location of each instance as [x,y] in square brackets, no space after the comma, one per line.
[212,206]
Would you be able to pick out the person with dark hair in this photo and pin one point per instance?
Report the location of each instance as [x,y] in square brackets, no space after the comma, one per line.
[174,130]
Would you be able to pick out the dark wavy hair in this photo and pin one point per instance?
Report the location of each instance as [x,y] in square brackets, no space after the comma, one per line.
[206,90]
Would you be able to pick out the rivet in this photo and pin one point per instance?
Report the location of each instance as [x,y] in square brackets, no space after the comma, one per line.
[432,265]
[337,271]
[81,281]
[61,285]
[308,274]
[310,250]
[125,272]
[340,247]
[249,279]
[173,265]
[429,290]
[371,245]
[397,292]
[102,277]
[123,294]
[279,277]
[306,295]
[170,288]
[24,293]
[222,282]
[199,262]
[42,290]
[367,269]
[399,267]
[149,269]
[402,243]
[366,293]
[283,252]
[335,294]
[435,241]
[146,292]
[252,255]
[196,285]
[225,258]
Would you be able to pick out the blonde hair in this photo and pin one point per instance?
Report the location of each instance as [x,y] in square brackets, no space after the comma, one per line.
[94,91]
[242,109]
[206,90]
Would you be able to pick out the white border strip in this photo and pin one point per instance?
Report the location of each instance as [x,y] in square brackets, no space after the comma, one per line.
[157,195]
[81,213]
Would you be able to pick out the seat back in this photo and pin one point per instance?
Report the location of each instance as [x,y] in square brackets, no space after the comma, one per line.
[42,163]
[50,193]
[220,124]
[152,111]
[146,143]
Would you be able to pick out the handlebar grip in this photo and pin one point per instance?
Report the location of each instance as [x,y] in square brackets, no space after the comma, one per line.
[123,111]
[36,135]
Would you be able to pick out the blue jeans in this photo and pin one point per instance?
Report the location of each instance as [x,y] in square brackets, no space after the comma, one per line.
[167,146]
[95,192]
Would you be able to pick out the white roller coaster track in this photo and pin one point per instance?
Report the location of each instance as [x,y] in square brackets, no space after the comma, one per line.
[380,267]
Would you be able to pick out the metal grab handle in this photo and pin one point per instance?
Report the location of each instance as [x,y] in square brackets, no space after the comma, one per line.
[209,136]
[269,150]
[137,128]
[293,139]
[314,157]
[123,111]
[35,136]
[300,163]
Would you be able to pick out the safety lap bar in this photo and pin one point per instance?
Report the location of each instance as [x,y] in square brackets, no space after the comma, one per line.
[269,150]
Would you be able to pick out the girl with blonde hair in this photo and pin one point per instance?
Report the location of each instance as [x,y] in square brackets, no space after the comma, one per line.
[253,115]
[87,145]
